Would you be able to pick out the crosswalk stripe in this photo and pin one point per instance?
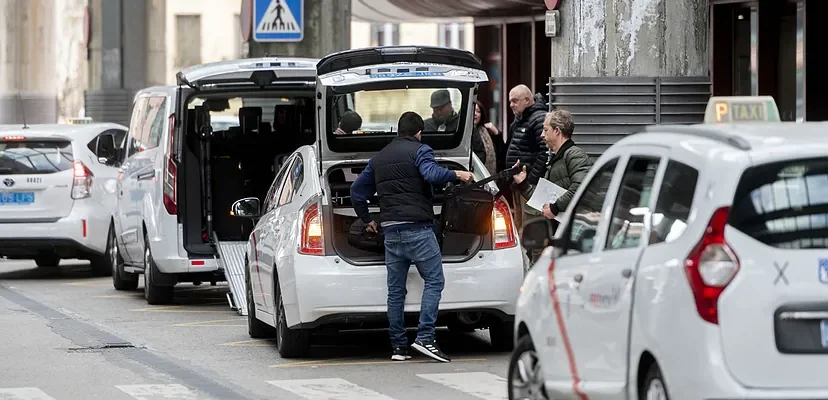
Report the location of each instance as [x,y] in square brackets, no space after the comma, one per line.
[25,393]
[159,392]
[328,389]
[479,384]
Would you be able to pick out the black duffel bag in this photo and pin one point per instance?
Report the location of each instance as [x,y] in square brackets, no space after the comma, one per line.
[367,241]
[467,208]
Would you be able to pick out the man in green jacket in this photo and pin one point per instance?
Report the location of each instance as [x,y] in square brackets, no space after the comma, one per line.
[567,167]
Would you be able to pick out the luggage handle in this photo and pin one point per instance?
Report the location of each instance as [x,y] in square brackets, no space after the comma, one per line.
[506,173]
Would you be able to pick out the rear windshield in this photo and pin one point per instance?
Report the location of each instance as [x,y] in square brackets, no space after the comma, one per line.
[35,157]
[366,120]
[784,204]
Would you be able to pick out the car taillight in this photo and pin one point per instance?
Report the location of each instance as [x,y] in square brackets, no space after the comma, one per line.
[171,174]
[503,233]
[711,266]
[311,241]
[81,181]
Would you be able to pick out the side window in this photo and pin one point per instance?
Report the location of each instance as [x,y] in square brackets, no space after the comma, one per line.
[298,175]
[289,189]
[154,129]
[674,202]
[587,213]
[273,195]
[136,125]
[627,222]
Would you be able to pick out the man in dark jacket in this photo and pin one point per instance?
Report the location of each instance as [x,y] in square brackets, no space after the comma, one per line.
[567,168]
[525,143]
[401,175]
[443,117]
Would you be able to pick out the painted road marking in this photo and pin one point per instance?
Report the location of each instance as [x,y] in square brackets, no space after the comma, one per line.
[178,309]
[251,343]
[26,393]
[88,283]
[158,392]
[478,384]
[328,389]
[334,363]
[216,322]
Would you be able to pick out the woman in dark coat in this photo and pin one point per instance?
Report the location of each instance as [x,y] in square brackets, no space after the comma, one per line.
[486,140]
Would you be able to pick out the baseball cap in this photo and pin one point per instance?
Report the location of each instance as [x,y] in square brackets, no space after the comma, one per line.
[440,98]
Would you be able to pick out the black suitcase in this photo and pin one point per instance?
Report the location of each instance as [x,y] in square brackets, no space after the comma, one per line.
[367,241]
[467,208]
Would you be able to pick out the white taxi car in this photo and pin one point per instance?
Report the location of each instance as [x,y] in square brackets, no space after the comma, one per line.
[303,273]
[57,191]
[691,264]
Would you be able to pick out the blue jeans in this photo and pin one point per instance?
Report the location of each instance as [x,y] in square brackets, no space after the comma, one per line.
[416,246]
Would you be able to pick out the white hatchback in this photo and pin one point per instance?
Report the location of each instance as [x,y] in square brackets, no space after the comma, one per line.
[691,264]
[57,192]
[303,273]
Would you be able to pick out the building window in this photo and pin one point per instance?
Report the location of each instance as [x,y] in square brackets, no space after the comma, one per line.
[385,34]
[188,40]
[452,35]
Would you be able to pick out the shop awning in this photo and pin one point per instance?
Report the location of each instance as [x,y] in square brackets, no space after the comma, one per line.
[427,10]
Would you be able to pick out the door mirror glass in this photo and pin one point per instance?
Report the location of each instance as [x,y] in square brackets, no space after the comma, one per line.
[248,207]
[537,234]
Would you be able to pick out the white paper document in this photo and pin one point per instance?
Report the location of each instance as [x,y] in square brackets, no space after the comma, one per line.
[545,192]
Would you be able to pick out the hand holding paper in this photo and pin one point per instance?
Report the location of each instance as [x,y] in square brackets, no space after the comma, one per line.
[545,192]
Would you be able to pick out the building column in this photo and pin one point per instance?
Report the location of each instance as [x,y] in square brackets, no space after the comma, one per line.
[619,65]
[327,30]
[126,54]
[28,84]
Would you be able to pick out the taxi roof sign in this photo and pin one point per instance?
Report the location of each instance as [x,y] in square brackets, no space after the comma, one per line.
[735,109]
[79,121]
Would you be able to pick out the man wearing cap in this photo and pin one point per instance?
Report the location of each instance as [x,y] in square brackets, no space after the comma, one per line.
[443,117]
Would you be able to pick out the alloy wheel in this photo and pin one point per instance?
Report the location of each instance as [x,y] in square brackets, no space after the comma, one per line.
[656,390]
[527,379]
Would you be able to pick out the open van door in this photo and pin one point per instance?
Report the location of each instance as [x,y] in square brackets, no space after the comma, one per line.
[381,83]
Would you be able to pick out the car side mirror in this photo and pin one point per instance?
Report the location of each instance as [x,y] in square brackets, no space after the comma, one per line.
[248,207]
[537,234]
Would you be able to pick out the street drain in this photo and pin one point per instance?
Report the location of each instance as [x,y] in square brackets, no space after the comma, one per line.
[98,349]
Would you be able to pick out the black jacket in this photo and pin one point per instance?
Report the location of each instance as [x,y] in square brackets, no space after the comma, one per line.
[525,142]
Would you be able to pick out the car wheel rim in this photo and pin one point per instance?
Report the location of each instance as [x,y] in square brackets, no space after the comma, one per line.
[656,390]
[249,295]
[527,377]
[113,253]
[280,317]
[147,269]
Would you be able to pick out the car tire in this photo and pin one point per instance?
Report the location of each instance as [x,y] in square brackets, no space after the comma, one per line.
[291,343]
[121,280]
[526,380]
[255,328]
[653,387]
[154,294]
[47,261]
[502,336]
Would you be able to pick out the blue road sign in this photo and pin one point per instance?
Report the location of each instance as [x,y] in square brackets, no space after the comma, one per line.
[278,20]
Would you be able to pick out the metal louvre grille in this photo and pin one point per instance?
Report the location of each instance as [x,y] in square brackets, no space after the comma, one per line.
[606,109]
[109,105]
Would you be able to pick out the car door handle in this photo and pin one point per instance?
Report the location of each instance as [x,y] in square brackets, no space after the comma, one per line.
[145,176]
[578,278]
[626,272]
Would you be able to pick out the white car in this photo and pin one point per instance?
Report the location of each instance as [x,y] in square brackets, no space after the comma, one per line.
[719,292]
[302,271]
[57,191]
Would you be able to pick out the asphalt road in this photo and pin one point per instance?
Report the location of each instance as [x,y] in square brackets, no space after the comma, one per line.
[65,335]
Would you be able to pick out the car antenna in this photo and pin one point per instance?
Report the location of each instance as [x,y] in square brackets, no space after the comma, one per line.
[22,110]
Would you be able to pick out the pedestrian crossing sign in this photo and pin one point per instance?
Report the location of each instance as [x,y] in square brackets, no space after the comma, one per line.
[278,20]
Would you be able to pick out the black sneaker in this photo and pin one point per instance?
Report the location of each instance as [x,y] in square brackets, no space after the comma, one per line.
[400,354]
[430,349]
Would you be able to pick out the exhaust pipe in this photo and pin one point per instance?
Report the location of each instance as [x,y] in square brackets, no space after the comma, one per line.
[469,318]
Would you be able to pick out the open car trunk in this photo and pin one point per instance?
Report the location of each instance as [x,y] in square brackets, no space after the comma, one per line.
[457,247]
[234,163]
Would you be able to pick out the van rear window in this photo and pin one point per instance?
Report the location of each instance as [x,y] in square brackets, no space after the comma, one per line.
[784,204]
[34,157]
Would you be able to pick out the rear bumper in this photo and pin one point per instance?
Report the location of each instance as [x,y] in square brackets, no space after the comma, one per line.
[81,234]
[326,287]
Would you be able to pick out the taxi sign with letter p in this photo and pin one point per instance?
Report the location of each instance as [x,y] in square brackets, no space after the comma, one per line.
[734,109]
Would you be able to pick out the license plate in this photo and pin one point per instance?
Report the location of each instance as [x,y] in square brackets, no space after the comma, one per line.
[823,329]
[16,198]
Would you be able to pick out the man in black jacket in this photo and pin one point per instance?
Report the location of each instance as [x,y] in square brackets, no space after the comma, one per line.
[401,175]
[526,144]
